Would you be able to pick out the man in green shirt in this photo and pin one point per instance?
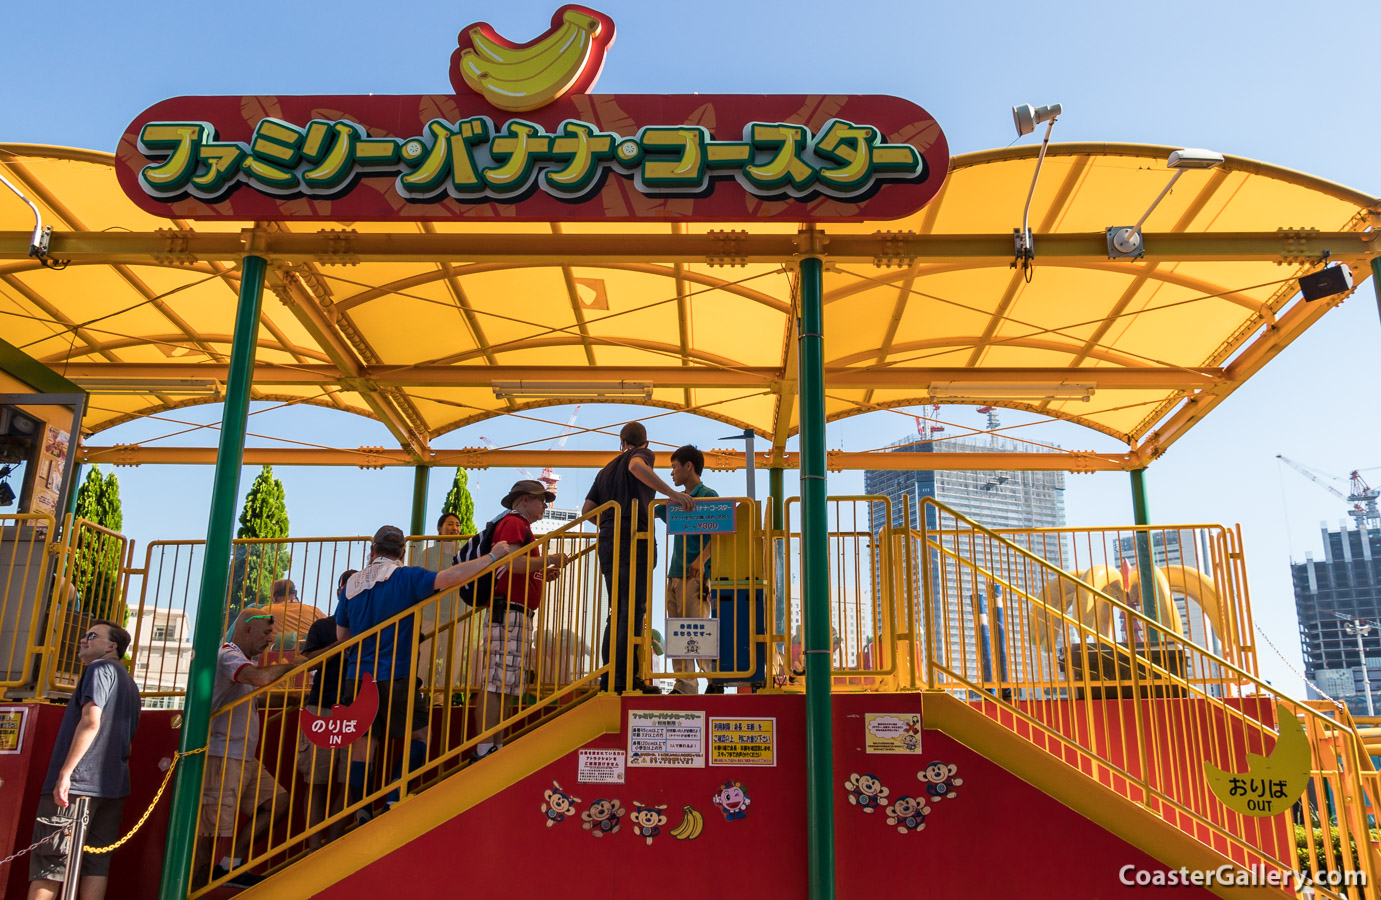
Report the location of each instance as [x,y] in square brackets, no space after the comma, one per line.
[689,569]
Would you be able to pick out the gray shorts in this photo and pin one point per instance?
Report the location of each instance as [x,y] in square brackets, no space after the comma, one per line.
[49,862]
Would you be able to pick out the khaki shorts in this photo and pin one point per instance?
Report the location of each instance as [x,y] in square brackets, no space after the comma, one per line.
[686,599]
[232,786]
[314,763]
[49,862]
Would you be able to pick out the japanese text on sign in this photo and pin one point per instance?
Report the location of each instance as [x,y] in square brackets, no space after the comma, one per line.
[1261,793]
[473,159]
[692,639]
[598,766]
[12,729]
[892,733]
[743,742]
[708,517]
[666,739]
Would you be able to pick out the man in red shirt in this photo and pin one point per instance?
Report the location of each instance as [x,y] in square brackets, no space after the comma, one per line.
[517,594]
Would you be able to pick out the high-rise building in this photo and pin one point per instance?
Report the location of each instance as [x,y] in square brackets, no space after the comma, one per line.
[1332,596]
[994,499]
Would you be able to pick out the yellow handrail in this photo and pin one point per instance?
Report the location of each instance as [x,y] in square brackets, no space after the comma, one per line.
[574,605]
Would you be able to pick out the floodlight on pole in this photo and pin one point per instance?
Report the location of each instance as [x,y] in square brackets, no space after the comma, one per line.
[1026,118]
[1125,242]
[1360,629]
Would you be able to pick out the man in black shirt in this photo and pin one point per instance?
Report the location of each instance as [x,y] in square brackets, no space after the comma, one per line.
[630,481]
[90,759]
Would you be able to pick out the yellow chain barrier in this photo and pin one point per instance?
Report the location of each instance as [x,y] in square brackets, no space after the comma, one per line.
[167,776]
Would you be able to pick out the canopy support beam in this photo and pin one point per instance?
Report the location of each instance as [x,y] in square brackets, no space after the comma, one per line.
[815,583]
[196,718]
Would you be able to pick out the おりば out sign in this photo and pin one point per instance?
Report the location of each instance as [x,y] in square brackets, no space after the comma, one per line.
[346,723]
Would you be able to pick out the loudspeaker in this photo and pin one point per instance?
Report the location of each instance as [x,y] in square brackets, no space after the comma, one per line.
[1326,282]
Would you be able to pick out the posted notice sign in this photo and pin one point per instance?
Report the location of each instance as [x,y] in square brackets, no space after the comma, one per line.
[708,517]
[743,742]
[692,639]
[892,733]
[600,766]
[668,739]
[12,729]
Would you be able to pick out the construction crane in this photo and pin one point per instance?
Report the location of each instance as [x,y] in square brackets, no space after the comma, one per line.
[926,429]
[1361,495]
[549,476]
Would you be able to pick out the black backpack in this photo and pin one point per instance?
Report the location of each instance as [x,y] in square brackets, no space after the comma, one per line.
[478,591]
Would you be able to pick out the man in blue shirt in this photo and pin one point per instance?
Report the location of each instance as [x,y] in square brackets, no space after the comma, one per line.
[378,592]
[689,569]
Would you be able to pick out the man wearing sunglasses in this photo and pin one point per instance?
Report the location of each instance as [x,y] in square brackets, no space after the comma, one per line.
[90,759]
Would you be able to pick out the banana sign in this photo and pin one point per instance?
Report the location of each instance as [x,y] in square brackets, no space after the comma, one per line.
[1271,783]
[522,140]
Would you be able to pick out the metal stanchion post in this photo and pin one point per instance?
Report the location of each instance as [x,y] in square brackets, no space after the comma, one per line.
[72,876]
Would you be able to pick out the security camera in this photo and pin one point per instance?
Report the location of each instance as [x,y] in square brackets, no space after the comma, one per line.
[1194,158]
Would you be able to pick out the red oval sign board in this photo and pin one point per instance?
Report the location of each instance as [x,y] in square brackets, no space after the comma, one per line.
[522,141]
[585,157]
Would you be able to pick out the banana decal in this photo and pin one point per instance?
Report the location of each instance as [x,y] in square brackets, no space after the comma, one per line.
[692,823]
[521,77]
[1271,783]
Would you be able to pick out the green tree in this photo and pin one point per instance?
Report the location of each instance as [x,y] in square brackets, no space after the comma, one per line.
[459,501]
[96,568]
[257,566]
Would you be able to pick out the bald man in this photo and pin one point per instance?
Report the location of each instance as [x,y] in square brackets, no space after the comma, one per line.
[235,781]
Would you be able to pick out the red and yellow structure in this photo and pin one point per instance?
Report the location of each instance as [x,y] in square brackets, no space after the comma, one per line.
[775,263]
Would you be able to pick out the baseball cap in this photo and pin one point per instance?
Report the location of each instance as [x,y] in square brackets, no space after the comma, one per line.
[390,540]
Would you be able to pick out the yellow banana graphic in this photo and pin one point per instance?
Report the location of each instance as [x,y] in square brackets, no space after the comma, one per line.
[692,823]
[528,77]
[1272,783]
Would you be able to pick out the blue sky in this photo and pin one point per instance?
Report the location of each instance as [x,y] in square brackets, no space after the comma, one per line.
[1271,84]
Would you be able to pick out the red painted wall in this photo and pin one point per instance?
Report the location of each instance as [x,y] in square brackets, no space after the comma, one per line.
[134,871]
[994,836]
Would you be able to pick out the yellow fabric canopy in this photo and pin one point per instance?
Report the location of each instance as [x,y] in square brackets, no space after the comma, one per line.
[1136,349]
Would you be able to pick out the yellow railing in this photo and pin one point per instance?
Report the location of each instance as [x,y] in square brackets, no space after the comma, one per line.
[90,584]
[867,579]
[26,567]
[1199,578]
[733,591]
[1108,689]
[170,580]
[448,695]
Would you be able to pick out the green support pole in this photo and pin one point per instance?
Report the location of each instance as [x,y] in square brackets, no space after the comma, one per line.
[778,506]
[815,584]
[419,500]
[215,578]
[1144,564]
[73,488]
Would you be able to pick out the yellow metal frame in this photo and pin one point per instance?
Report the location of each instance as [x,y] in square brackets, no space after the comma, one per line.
[26,645]
[1337,748]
